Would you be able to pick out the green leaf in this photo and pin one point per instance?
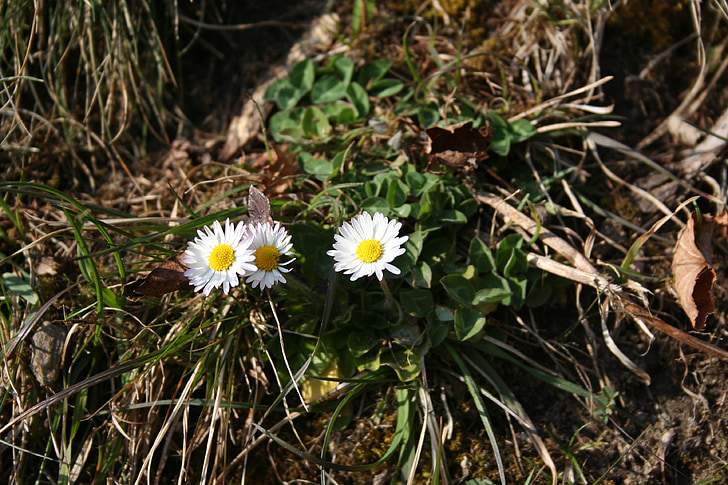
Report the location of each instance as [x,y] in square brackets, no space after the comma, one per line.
[287,125]
[283,93]
[453,217]
[459,289]
[397,193]
[500,144]
[517,264]
[375,204]
[493,280]
[315,123]
[344,67]
[385,88]
[302,75]
[414,179]
[417,302]
[438,330]
[287,92]
[468,323]
[17,285]
[444,314]
[399,363]
[319,168]
[501,141]
[521,130]
[359,98]
[421,276]
[429,115]
[480,255]
[373,71]
[490,295]
[328,89]
[340,113]
[359,343]
[505,250]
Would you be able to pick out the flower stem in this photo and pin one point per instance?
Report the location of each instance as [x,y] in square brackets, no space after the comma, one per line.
[390,299]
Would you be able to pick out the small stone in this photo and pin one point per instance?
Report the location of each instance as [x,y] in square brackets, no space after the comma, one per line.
[48,343]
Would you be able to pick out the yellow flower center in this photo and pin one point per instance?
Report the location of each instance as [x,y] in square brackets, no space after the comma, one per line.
[266,257]
[221,257]
[369,250]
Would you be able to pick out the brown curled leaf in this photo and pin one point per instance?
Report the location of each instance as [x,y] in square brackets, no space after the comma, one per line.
[458,145]
[692,269]
[165,278]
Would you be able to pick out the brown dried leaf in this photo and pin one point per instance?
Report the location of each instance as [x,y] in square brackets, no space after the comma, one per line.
[258,207]
[276,170]
[165,278]
[458,145]
[692,270]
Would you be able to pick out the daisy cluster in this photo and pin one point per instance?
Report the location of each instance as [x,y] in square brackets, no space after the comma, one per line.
[223,256]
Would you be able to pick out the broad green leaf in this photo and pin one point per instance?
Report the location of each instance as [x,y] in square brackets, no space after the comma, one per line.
[375,204]
[502,136]
[417,302]
[415,242]
[315,123]
[468,323]
[453,217]
[445,314]
[287,92]
[459,289]
[373,71]
[414,179]
[493,280]
[359,98]
[518,286]
[403,362]
[287,125]
[397,193]
[340,113]
[480,255]
[403,210]
[517,264]
[370,361]
[421,276]
[319,168]
[500,144]
[344,67]
[302,75]
[328,89]
[359,343]
[385,88]
[490,295]
[505,250]
[438,330]
[522,130]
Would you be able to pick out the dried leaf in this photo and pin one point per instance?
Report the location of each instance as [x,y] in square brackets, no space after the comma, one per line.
[276,170]
[165,278]
[692,270]
[258,207]
[458,145]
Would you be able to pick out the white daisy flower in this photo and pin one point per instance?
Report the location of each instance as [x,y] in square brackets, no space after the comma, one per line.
[217,257]
[269,244]
[368,246]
